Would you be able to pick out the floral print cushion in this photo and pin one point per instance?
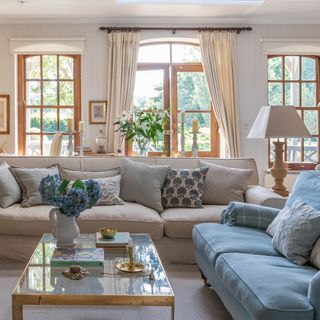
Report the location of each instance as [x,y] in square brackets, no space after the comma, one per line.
[183,188]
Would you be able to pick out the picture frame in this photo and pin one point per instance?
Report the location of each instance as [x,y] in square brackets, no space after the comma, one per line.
[97,111]
[4,114]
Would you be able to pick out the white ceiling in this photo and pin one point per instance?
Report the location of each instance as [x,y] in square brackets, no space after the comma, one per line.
[271,11]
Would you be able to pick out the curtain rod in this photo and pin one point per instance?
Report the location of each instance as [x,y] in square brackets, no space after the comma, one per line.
[174,30]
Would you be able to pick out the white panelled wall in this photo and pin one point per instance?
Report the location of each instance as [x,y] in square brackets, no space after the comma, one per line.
[252,71]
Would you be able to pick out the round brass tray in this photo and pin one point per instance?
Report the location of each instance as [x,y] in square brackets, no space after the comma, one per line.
[124,266]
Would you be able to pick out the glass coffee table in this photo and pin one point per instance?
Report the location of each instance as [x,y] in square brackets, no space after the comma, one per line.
[40,284]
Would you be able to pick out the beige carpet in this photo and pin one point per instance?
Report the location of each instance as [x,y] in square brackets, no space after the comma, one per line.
[193,301]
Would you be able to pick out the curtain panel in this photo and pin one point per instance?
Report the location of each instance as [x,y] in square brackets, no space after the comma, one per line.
[123,49]
[218,50]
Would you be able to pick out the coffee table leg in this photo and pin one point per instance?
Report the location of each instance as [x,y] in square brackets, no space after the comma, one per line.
[172,313]
[17,310]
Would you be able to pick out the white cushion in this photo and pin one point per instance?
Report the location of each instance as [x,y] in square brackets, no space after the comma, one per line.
[180,221]
[315,255]
[131,217]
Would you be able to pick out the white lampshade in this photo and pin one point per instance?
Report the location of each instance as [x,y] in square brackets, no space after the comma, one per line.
[278,122]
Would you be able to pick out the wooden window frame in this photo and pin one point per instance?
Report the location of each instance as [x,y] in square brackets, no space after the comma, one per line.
[22,106]
[170,93]
[299,165]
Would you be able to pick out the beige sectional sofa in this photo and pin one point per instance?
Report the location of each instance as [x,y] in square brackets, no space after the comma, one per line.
[21,228]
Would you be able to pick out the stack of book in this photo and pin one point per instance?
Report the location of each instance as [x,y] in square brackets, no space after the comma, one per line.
[89,258]
[86,150]
[119,241]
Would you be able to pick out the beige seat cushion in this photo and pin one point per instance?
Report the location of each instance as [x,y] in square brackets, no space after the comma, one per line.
[131,217]
[180,221]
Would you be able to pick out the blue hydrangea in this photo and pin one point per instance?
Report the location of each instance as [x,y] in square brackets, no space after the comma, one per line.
[93,191]
[74,202]
[70,201]
[49,188]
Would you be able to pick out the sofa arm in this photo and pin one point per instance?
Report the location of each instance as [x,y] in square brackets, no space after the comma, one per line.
[248,215]
[264,197]
[314,294]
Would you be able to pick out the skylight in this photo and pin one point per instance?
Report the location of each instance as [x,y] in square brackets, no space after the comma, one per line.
[194,2]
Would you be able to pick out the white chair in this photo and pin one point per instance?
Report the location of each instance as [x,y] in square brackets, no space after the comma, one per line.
[55,149]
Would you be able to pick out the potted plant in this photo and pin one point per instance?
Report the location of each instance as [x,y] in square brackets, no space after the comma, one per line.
[69,200]
[142,127]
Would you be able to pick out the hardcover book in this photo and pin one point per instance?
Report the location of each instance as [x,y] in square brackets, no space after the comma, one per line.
[89,257]
[119,241]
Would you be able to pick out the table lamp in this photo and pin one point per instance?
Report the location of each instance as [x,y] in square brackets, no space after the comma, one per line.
[278,122]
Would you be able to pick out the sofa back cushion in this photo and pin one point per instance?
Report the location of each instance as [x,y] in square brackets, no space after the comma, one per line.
[10,191]
[142,183]
[306,187]
[224,185]
[67,174]
[29,181]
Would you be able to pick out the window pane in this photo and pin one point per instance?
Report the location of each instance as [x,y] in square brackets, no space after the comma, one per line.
[204,139]
[186,53]
[311,149]
[50,93]
[66,93]
[275,68]
[292,94]
[311,121]
[308,68]
[33,145]
[64,115]
[49,121]
[65,67]
[309,98]
[33,68]
[148,90]
[193,93]
[32,120]
[292,68]
[154,53]
[33,94]
[49,67]
[294,149]
[46,144]
[275,94]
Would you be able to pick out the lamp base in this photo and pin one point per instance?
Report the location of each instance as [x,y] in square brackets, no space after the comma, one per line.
[278,171]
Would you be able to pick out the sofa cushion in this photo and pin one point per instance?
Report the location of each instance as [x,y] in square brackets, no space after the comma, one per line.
[130,217]
[277,291]
[180,221]
[223,185]
[212,239]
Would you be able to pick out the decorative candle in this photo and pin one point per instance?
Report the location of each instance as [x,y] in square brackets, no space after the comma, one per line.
[70,124]
[195,125]
[130,242]
[81,126]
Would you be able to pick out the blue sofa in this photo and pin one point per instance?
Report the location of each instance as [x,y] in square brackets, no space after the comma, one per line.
[254,281]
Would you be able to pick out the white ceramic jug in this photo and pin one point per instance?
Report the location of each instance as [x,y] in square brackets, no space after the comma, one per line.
[65,229]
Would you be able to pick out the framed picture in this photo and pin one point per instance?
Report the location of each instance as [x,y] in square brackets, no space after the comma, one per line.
[4,114]
[97,112]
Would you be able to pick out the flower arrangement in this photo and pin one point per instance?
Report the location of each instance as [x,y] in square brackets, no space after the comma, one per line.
[71,198]
[142,127]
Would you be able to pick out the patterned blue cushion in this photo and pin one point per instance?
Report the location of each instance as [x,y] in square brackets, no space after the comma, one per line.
[248,215]
[307,187]
[296,235]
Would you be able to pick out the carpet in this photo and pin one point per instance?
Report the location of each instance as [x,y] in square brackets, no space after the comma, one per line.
[193,301]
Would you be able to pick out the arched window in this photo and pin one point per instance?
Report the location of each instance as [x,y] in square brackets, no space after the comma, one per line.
[293,80]
[48,94]
[170,76]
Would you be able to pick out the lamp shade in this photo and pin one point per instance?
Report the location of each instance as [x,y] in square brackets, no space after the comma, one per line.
[278,122]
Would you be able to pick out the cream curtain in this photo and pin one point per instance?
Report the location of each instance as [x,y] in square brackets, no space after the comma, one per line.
[123,48]
[218,51]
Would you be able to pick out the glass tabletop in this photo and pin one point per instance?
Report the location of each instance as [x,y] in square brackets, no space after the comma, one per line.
[40,278]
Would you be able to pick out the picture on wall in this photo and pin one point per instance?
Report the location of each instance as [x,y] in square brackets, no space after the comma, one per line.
[97,112]
[4,114]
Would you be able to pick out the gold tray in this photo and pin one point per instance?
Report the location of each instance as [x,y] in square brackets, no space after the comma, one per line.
[124,266]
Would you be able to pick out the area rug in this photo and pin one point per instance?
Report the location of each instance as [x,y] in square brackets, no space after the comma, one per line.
[193,301]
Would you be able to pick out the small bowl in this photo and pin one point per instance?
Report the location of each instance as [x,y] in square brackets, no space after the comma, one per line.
[108,233]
